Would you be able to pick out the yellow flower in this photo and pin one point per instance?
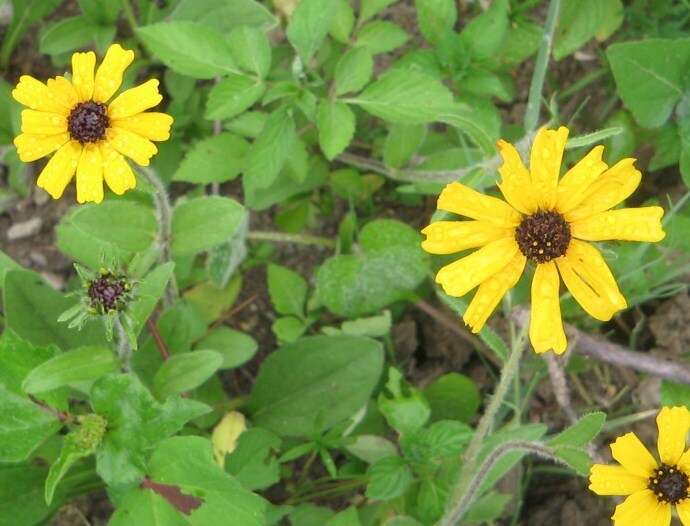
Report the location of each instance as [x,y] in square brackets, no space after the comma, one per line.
[548,221]
[90,136]
[651,488]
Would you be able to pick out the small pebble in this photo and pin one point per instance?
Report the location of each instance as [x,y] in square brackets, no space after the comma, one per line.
[25,229]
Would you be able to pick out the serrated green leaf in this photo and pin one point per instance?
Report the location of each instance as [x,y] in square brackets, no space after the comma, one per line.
[184,372]
[288,290]
[216,159]
[251,50]
[402,142]
[309,25]
[436,18]
[388,478]
[353,71]
[225,15]
[381,36]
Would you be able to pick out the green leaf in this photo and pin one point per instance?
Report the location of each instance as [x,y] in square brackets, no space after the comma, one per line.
[184,372]
[388,478]
[68,34]
[203,223]
[369,8]
[373,326]
[488,507]
[80,365]
[485,34]
[336,124]
[143,507]
[271,149]
[117,229]
[649,76]
[333,380]
[390,266]
[349,517]
[309,515]
[436,18]
[405,97]
[211,301]
[288,329]
[309,25]
[77,444]
[582,20]
[147,295]
[235,347]
[232,96]
[403,406]
[187,462]
[253,462]
[225,15]
[288,290]
[215,159]
[99,11]
[372,448]
[28,427]
[189,48]
[453,396]
[578,459]
[343,22]
[136,423]
[381,36]
[353,71]
[251,50]
[402,142]
[433,444]
[32,309]
[582,432]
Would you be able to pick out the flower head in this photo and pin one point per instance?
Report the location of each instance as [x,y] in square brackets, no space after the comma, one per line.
[652,488]
[91,136]
[548,220]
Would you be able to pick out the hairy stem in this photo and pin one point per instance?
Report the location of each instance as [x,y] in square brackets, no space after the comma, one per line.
[280,237]
[537,85]
[124,349]
[164,217]
[475,485]
[471,455]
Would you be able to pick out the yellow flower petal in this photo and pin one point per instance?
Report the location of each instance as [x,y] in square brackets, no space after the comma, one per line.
[625,224]
[545,164]
[673,424]
[152,125]
[131,145]
[116,170]
[43,123]
[516,182]
[461,276]
[37,96]
[491,291]
[683,509]
[64,91]
[60,168]
[684,462]
[576,182]
[447,237]
[614,480]
[589,280]
[109,75]
[546,326]
[633,455]
[135,100]
[83,65]
[642,508]
[90,175]
[31,147]
[614,186]
[465,201]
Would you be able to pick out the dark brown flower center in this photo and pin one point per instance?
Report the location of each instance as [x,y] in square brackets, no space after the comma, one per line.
[543,236]
[88,121]
[669,484]
[107,293]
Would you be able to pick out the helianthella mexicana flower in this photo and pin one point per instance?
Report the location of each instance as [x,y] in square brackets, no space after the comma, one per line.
[91,136]
[549,220]
[652,488]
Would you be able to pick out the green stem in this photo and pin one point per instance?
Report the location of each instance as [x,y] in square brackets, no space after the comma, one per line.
[485,424]
[302,239]
[164,217]
[475,485]
[537,84]
[129,13]
[124,349]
